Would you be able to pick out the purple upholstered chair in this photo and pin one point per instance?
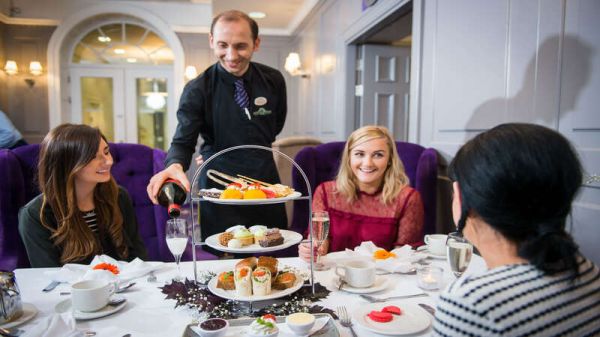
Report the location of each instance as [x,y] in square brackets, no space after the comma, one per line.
[133,166]
[320,163]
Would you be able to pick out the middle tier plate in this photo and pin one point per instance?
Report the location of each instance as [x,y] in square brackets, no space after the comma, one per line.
[231,294]
[290,238]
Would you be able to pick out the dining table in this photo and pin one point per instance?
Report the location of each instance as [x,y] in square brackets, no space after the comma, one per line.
[148,313]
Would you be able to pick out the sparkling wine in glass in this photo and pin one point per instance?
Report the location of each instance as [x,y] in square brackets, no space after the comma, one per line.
[459,252]
[320,231]
[177,239]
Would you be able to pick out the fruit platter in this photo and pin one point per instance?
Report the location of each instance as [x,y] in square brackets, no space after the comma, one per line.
[255,279]
[242,190]
[259,239]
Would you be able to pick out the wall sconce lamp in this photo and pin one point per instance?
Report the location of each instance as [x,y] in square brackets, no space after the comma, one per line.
[190,72]
[35,69]
[293,66]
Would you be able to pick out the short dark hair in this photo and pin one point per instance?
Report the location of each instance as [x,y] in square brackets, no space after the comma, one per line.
[521,180]
[233,15]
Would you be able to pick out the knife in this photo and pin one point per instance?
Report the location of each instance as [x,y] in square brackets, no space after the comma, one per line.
[428,308]
[51,286]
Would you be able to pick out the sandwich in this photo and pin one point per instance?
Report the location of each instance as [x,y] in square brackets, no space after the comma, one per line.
[284,280]
[225,281]
[268,262]
[247,262]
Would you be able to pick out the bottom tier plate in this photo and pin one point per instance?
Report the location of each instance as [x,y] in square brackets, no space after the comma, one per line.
[237,327]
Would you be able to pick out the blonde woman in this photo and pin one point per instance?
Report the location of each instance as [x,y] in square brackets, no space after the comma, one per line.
[81,211]
[370,199]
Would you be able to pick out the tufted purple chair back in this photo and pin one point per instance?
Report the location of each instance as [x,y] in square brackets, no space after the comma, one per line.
[320,163]
[133,166]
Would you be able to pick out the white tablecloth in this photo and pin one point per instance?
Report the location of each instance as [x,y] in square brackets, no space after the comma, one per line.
[148,314]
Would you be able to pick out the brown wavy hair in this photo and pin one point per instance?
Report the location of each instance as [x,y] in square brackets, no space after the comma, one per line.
[394,178]
[64,152]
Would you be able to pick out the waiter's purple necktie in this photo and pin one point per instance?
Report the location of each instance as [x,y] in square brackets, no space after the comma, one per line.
[240,95]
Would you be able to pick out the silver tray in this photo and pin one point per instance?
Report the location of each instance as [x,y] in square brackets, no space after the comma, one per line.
[329,330]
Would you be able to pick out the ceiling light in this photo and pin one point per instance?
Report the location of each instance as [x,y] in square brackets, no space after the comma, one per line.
[190,72]
[131,60]
[11,67]
[119,51]
[257,15]
[103,38]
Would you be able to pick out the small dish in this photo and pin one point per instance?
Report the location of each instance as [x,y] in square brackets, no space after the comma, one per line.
[300,323]
[66,305]
[212,327]
[424,250]
[29,312]
[381,283]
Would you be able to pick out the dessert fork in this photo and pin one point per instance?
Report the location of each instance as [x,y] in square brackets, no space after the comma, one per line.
[345,320]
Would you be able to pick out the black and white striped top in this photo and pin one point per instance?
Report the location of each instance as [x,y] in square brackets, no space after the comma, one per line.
[519,300]
[91,220]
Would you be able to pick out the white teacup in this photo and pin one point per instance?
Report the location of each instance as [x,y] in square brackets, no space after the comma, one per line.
[357,273]
[91,295]
[436,243]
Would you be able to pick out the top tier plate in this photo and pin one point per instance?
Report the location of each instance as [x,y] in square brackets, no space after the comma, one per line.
[292,196]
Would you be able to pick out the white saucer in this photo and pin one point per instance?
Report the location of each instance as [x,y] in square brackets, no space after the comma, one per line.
[29,312]
[423,249]
[381,283]
[65,306]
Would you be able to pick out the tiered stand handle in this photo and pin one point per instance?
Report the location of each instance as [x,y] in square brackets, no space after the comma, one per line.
[197,199]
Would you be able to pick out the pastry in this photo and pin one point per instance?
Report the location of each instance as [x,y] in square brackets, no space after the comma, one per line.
[248,262]
[234,243]
[245,237]
[261,281]
[284,280]
[263,326]
[211,193]
[269,263]
[273,238]
[225,237]
[225,281]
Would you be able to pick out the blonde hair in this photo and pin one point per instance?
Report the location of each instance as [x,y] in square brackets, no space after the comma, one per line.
[394,178]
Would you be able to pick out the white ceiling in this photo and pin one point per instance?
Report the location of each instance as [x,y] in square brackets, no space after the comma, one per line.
[283,16]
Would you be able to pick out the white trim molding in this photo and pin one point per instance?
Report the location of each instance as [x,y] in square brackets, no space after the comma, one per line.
[60,114]
[28,22]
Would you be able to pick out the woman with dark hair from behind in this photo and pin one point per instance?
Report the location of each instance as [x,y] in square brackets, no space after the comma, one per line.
[513,189]
[81,211]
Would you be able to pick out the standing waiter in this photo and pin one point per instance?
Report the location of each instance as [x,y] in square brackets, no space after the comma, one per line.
[234,102]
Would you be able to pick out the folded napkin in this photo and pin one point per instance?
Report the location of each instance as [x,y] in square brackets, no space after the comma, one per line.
[401,263]
[71,273]
[55,325]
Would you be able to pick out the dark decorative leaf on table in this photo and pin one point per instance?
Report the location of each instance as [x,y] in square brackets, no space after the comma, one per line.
[195,295]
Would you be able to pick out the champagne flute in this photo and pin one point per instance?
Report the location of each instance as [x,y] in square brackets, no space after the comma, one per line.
[459,252]
[177,239]
[320,231]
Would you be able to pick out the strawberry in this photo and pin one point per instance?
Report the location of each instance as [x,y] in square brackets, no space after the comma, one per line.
[269,316]
[381,317]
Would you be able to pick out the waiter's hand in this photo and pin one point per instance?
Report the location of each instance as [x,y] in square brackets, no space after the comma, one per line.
[174,171]
[199,160]
[304,250]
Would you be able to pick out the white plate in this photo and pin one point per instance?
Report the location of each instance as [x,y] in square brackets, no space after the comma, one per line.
[231,295]
[290,238]
[381,283]
[29,312]
[294,195]
[65,306]
[423,249]
[413,319]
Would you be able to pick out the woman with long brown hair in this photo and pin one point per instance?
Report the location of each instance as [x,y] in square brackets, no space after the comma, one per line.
[81,212]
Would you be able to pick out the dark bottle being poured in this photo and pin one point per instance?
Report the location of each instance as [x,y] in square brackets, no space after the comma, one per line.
[172,195]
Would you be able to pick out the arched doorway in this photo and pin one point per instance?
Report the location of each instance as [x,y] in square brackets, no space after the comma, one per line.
[119,72]
[79,69]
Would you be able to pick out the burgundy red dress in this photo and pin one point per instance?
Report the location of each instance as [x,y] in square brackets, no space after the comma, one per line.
[369,219]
